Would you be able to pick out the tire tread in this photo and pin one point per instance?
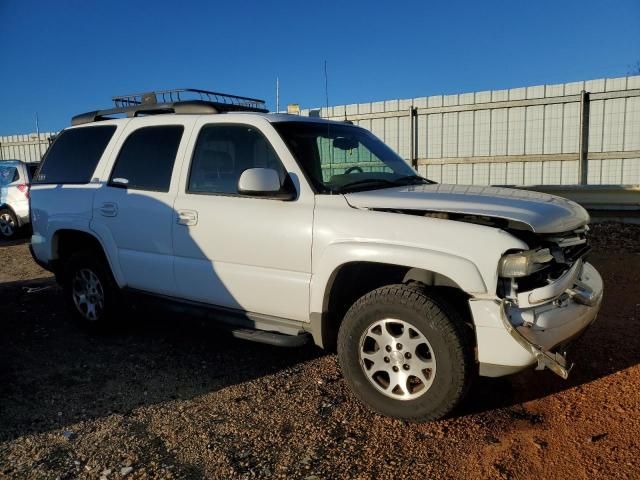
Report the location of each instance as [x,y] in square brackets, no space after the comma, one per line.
[438,311]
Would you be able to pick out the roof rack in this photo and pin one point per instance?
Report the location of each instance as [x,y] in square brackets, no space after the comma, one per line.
[182,101]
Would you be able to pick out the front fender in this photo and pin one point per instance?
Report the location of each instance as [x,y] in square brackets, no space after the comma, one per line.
[460,270]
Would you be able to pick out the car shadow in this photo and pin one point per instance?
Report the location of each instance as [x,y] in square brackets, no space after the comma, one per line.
[53,373]
[18,240]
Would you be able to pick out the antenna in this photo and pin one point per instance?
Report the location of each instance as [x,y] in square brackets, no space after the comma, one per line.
[326,94]
[277,94]
[326,86]
[38,133]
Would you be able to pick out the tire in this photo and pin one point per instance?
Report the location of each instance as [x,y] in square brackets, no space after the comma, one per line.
[90,291]
[435,364]
[8,224]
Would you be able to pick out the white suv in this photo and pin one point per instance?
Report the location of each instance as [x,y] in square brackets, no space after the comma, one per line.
[15,177]
[286,227]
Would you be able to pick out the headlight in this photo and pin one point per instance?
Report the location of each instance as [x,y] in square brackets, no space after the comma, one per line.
[523,263]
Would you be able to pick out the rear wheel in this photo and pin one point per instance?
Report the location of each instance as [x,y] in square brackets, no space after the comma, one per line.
[406,353]
[90,290]
[8,224]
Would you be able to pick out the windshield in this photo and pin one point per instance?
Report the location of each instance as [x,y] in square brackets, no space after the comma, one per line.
[342,158]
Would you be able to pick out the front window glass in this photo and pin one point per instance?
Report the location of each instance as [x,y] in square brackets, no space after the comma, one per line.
[342,158]
[223,152]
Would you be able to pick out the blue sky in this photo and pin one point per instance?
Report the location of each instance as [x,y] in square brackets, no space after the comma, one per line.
[63,57]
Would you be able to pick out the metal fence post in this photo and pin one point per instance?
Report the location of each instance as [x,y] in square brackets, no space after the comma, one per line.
[413,125]
[583,146]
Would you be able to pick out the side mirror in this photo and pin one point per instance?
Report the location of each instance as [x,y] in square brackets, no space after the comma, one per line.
[262,182]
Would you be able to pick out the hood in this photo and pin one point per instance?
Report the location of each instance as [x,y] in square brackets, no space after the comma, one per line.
[541,212]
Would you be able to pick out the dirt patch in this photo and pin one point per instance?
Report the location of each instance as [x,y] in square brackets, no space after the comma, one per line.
[16,263]
[171,397]
[610,237]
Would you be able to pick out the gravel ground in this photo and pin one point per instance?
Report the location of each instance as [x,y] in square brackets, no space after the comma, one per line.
[174,398]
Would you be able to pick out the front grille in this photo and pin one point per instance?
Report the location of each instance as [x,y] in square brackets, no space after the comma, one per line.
[566,248]
[574,253]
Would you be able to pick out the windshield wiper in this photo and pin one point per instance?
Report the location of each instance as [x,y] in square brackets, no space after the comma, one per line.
[401,181]
[374,181]
[412,179]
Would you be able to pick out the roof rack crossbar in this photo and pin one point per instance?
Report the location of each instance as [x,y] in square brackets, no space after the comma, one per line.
[173,101]
[184,94]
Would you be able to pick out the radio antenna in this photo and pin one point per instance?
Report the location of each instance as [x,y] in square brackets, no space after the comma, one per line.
[326,96]
[277,94]
[326,86]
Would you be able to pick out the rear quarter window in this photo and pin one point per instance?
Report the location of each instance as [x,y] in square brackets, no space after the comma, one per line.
[32,169]
[8,174]
[74,155]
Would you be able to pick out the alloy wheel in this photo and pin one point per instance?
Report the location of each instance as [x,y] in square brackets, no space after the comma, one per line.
[7,225]
[88,294]
[397,359]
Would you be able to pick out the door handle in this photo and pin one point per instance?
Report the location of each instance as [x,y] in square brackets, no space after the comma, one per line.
[109,209]
[187,217]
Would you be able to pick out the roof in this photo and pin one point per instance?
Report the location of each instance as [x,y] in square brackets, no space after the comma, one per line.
[13,161]
[269,117]
[287,117]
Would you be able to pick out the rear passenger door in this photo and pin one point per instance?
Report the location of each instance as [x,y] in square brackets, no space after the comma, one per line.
[134,207]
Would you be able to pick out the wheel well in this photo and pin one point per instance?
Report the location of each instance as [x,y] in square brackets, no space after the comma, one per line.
[6,206]
[67,242]
[355,279]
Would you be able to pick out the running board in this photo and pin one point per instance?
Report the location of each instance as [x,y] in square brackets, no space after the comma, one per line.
[246,325]
[271,338]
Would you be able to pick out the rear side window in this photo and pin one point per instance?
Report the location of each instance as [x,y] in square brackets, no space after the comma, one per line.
[146,159]
[74,155]
[31,169]
[8,175]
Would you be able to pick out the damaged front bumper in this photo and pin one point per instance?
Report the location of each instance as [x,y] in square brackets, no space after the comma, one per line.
[537,327]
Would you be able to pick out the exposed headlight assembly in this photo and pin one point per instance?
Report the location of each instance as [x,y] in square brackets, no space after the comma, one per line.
[523,264]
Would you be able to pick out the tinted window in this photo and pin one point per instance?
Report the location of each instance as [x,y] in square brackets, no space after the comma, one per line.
[8,175]
[146,159]
[31,169]
[223,152]
[74,155]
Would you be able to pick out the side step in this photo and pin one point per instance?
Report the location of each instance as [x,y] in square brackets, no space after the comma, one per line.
[271,338]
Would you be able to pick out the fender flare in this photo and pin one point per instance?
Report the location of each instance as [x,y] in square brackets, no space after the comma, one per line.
[460,270]
[106,242]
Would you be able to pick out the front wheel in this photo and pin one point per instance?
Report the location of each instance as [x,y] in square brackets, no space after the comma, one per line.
[405,353]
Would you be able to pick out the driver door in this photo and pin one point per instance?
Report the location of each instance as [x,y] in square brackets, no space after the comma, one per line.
[250,254]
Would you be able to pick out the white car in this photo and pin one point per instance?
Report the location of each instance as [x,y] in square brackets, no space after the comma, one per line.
[15,177]
[286,227]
